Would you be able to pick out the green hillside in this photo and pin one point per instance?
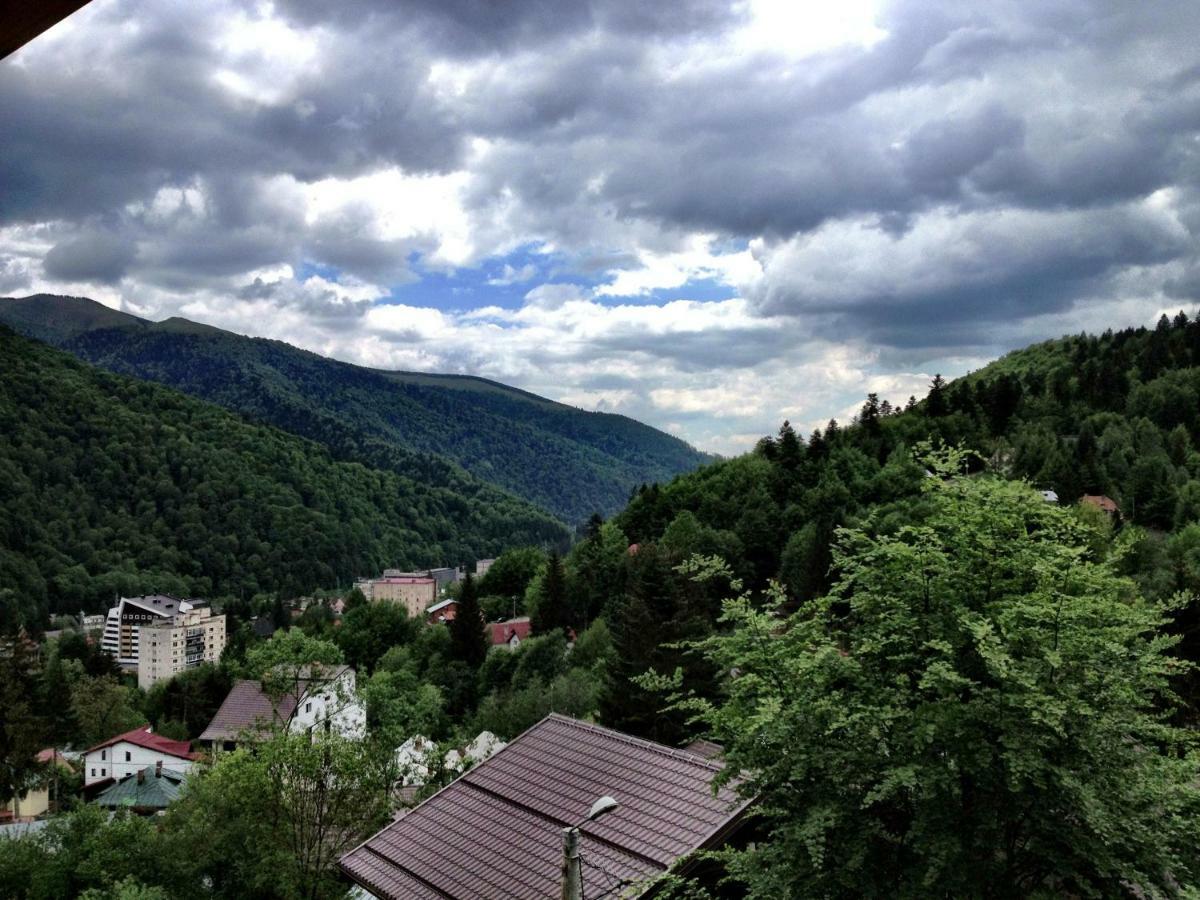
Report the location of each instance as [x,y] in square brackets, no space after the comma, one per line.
[568,461]
[110,484]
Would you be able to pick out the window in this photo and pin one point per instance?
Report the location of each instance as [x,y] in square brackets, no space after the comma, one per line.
[103,772]
[93,773]
[308,707]
[128,756]
[104,754]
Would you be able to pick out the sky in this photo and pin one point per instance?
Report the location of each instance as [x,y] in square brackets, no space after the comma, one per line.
[707,216]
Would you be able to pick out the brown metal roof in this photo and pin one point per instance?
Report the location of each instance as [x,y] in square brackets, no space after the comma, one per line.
[497,831]
[247,708]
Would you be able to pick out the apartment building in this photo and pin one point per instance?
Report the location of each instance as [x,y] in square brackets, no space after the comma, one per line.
[183,641]
[123,624]
[416,592]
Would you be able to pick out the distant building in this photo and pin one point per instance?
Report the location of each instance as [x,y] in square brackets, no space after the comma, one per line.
[36,801]
[415,592]
[510,633]
[446,576]
[125,620]
[145,792]
[482,566]
[92,623]
[174,644]
[511,808]
[127,753]
[1105,504]
[327,700]
[442,612]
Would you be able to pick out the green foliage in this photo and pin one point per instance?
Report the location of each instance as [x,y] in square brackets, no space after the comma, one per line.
[369,631]
[973,708]
[103,707]
[188,701]
[23,729]
[511,573]
[288,659]
[550,610]
[400,705]
[467,628]
[431,429]
[110,485]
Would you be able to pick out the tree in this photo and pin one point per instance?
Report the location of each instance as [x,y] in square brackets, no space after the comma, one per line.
[103,707]
[273,822]
[551,611]
[289,661]
[368,631]
[972,710]
[22,727]
[466,628]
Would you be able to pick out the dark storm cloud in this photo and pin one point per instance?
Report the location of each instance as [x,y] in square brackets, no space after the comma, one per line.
[622,127]
[95,256]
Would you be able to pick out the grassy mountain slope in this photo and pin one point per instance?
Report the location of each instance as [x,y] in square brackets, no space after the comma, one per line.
[566,460]
[111,484]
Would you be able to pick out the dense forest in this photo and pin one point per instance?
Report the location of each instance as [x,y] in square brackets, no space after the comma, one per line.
[570,462]
[111,485]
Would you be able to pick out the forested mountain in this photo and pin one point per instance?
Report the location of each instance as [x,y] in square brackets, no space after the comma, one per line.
[568,461]
[1115,415]
[110,485]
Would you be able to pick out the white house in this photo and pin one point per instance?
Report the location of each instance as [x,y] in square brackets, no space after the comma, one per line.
[328,701]
[133,751]
[331,703]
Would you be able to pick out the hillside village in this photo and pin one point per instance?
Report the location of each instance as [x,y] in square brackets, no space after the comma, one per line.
[599,450]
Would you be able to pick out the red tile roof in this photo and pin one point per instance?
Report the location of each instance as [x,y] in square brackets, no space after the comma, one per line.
[144,737]
[502,632]
[497,831]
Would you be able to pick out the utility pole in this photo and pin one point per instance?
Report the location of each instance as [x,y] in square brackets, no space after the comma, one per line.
[572,866]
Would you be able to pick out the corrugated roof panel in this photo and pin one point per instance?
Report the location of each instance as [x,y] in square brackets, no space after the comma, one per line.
[497,831]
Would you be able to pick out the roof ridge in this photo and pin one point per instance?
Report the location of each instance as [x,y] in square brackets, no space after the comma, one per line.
[663,749]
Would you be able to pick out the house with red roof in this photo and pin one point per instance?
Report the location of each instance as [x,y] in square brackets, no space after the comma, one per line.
[509,633]
[127,753]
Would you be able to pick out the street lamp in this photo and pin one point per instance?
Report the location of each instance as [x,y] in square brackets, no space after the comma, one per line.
[572,867]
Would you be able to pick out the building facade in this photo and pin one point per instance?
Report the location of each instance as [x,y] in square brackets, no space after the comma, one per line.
[125,754]
[415,592]
[183,641]
[123,624]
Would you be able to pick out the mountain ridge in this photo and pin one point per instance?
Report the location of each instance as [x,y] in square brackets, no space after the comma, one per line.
[570,462]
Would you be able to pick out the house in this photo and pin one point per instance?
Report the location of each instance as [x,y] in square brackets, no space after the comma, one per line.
[37,800]
[497,831]
[1105,504]
[442,612]
[510,632]
[146,792]
[327,700]
[132,751]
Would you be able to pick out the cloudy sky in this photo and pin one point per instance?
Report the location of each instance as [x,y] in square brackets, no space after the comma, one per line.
[708,216]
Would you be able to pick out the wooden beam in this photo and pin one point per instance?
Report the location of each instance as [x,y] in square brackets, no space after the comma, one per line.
[23,20]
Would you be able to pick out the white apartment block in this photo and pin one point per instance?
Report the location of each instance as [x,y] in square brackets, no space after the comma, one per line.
[184,641]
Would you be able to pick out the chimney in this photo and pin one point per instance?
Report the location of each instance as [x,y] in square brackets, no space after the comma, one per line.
[158,769]
[141,776]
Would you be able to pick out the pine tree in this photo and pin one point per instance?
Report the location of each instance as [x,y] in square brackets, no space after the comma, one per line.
[466,628]
[552,611]
[936,402]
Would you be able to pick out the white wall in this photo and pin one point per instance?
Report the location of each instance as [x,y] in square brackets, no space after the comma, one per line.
[336,701]
[115,765]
